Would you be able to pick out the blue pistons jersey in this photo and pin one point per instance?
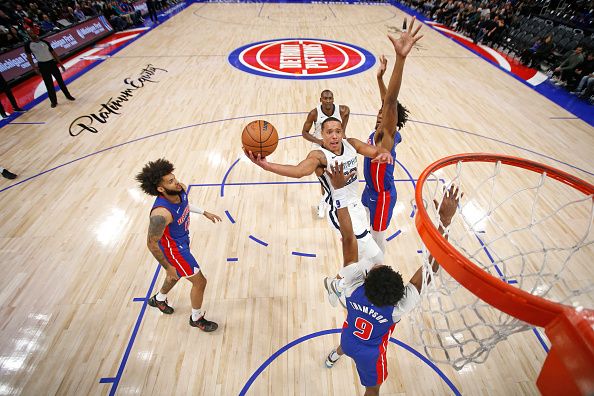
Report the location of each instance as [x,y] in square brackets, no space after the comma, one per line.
[380,177]
[365,336]
[366,324]
[178,229]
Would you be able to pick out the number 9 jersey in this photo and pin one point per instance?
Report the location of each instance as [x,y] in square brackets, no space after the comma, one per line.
[366,332]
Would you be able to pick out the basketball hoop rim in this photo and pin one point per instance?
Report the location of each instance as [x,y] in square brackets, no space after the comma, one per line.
[496,292]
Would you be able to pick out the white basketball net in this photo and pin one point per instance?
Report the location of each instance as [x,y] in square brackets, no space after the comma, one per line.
[523,227]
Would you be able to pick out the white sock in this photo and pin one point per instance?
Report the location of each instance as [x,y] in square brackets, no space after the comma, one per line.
[197,314]
[380,238]
[322,200]
[1,169]
[334,356]
[161,296]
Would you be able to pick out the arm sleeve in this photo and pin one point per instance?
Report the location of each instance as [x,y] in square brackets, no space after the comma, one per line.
[407,303]
[196,209]
[354,275]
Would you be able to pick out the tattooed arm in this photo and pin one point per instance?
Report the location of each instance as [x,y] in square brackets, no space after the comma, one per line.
[160,218]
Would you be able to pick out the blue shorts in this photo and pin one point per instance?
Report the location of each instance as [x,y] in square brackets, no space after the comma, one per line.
[370,360]
[178,254]
[381,206]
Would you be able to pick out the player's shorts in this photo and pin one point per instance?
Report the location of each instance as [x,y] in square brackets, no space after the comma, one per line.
[381,206]
[370,361]
[366,245]
[178,254]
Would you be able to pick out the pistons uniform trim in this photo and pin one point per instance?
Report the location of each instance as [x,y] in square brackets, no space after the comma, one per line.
[174,256]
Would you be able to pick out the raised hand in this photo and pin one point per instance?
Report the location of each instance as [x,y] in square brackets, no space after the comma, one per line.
[449,204]
[383,64]
[384,158]
[337,176]
[407,40]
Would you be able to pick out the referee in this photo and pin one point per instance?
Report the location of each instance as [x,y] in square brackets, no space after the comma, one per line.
[47,66]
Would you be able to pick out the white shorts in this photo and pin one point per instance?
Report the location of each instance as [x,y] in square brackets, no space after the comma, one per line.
[367,246]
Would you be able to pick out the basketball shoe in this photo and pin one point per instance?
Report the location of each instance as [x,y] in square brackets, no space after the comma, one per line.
[162,305]
[334,295]
[203,324]
[329,361]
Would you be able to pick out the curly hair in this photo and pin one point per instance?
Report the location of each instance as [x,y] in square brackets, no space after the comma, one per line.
[152,174]
[402,116]
[383,286]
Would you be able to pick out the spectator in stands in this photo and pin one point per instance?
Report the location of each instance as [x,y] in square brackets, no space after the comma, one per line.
[566,70]
[494,35]
[20,13]
[29,25]
[486,25]
[117,10]
[47,25]
[116,21]
[87,9]
[5,20]
[19,34]
[68,14]
[152,10]
[34,12]
[9,39]
[460,17]
[79,14]
[585,89]
[584,69]
[471,23]
[540,50]
[446,12]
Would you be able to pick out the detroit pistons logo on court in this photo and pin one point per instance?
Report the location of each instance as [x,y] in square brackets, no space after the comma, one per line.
[305,59]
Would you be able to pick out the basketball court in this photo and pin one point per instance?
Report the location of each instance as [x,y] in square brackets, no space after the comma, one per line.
[76,269]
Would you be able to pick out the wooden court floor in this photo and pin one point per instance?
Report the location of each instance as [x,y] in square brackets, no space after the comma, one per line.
[73,240]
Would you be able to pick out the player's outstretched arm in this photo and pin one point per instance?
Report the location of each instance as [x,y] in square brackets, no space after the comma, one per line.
[304,168]
[311,118]
[379,154]
[447,209]
[402,47]
[383,65]
[210,216]
[349,241]
[345,112]
[160,218]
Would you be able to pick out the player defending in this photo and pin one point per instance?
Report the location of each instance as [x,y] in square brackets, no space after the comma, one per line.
[376,298]
[324,110]
[379,195]
[169,238]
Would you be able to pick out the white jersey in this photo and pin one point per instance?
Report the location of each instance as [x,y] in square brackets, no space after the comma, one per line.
[367,248]
[348,158]
[321,117]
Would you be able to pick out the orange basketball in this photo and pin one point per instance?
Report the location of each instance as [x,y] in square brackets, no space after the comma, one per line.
[259,137]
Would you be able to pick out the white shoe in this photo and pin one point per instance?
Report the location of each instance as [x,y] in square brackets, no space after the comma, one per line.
[329,362]
[334,295]
[321,210]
